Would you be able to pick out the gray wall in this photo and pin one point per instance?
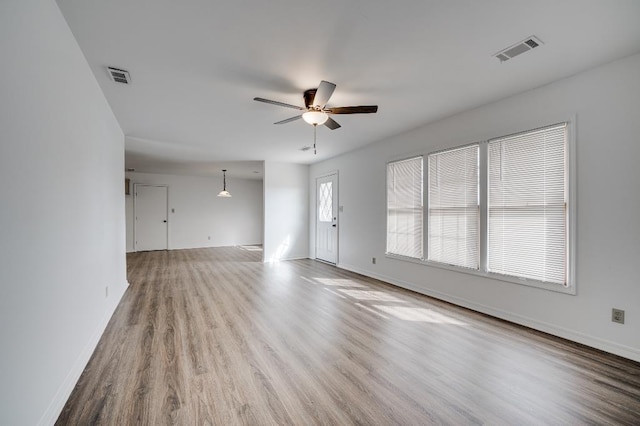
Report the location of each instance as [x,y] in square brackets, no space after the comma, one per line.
[604,103]
[62,240]
[286,211]
[200,218]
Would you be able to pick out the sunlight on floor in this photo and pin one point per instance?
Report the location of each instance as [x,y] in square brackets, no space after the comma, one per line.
[373,311]
[334,292]
[380,303]
[408,313]
[379,296]
[338,282]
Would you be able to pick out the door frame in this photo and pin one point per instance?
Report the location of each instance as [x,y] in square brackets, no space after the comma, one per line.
[135,197]
[315,215]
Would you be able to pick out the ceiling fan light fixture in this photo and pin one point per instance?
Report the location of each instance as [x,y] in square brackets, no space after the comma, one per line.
[315,117]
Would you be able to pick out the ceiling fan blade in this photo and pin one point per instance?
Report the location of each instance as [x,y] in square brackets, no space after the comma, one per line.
[332,124]
[269,101]
[364,109]
[289,120]
[324,92]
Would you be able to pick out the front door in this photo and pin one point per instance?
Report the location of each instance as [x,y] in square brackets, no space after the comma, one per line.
[150,211]
[327,218]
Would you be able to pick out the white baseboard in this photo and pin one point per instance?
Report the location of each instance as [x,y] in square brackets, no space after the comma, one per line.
[64,391]
[575,336]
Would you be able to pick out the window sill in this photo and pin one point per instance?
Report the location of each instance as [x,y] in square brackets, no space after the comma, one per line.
[571,290]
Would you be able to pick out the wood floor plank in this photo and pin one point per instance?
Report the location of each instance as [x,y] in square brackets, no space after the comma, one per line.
[216,337]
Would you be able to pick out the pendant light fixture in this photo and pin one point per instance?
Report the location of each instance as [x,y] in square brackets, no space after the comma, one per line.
[224,192]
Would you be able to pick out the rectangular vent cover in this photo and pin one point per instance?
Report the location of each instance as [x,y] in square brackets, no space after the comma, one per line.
[119,76]
[518,48]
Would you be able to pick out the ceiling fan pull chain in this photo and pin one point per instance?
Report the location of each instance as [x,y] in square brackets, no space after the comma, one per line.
[315,128]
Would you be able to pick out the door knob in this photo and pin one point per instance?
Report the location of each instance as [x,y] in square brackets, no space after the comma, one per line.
[164,221]
[334,225]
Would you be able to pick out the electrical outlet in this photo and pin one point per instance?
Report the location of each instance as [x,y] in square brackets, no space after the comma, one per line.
[373,260]
[617,315]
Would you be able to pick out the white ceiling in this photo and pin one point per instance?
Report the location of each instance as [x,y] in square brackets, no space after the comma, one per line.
[196,66]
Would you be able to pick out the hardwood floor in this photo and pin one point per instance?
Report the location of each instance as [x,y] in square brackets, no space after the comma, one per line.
[214,336]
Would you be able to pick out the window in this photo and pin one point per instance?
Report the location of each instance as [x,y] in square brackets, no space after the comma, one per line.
[502,208]
[325,206]
[454,211]
[527,205]
[404,208]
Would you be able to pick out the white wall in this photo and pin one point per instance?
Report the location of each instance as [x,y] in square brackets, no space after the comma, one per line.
[286,211]
[62,239]
[200,218]
[605,102]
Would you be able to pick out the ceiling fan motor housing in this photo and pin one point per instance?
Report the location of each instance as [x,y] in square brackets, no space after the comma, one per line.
[309,96]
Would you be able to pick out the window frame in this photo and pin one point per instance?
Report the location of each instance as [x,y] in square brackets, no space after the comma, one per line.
[563,205]
[386,198]
[427,185]
[571,187]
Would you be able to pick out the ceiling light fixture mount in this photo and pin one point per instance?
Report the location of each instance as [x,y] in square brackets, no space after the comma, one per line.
[224,193]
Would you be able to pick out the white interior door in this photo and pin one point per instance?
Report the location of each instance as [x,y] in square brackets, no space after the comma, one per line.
[327,218]
[150,211]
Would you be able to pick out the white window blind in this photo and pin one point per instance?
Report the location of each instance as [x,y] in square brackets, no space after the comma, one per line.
[454,213]
[405,208]
[527,205]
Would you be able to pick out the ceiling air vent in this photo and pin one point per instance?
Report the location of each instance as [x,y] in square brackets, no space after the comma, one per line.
[518,48]
[119,76]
